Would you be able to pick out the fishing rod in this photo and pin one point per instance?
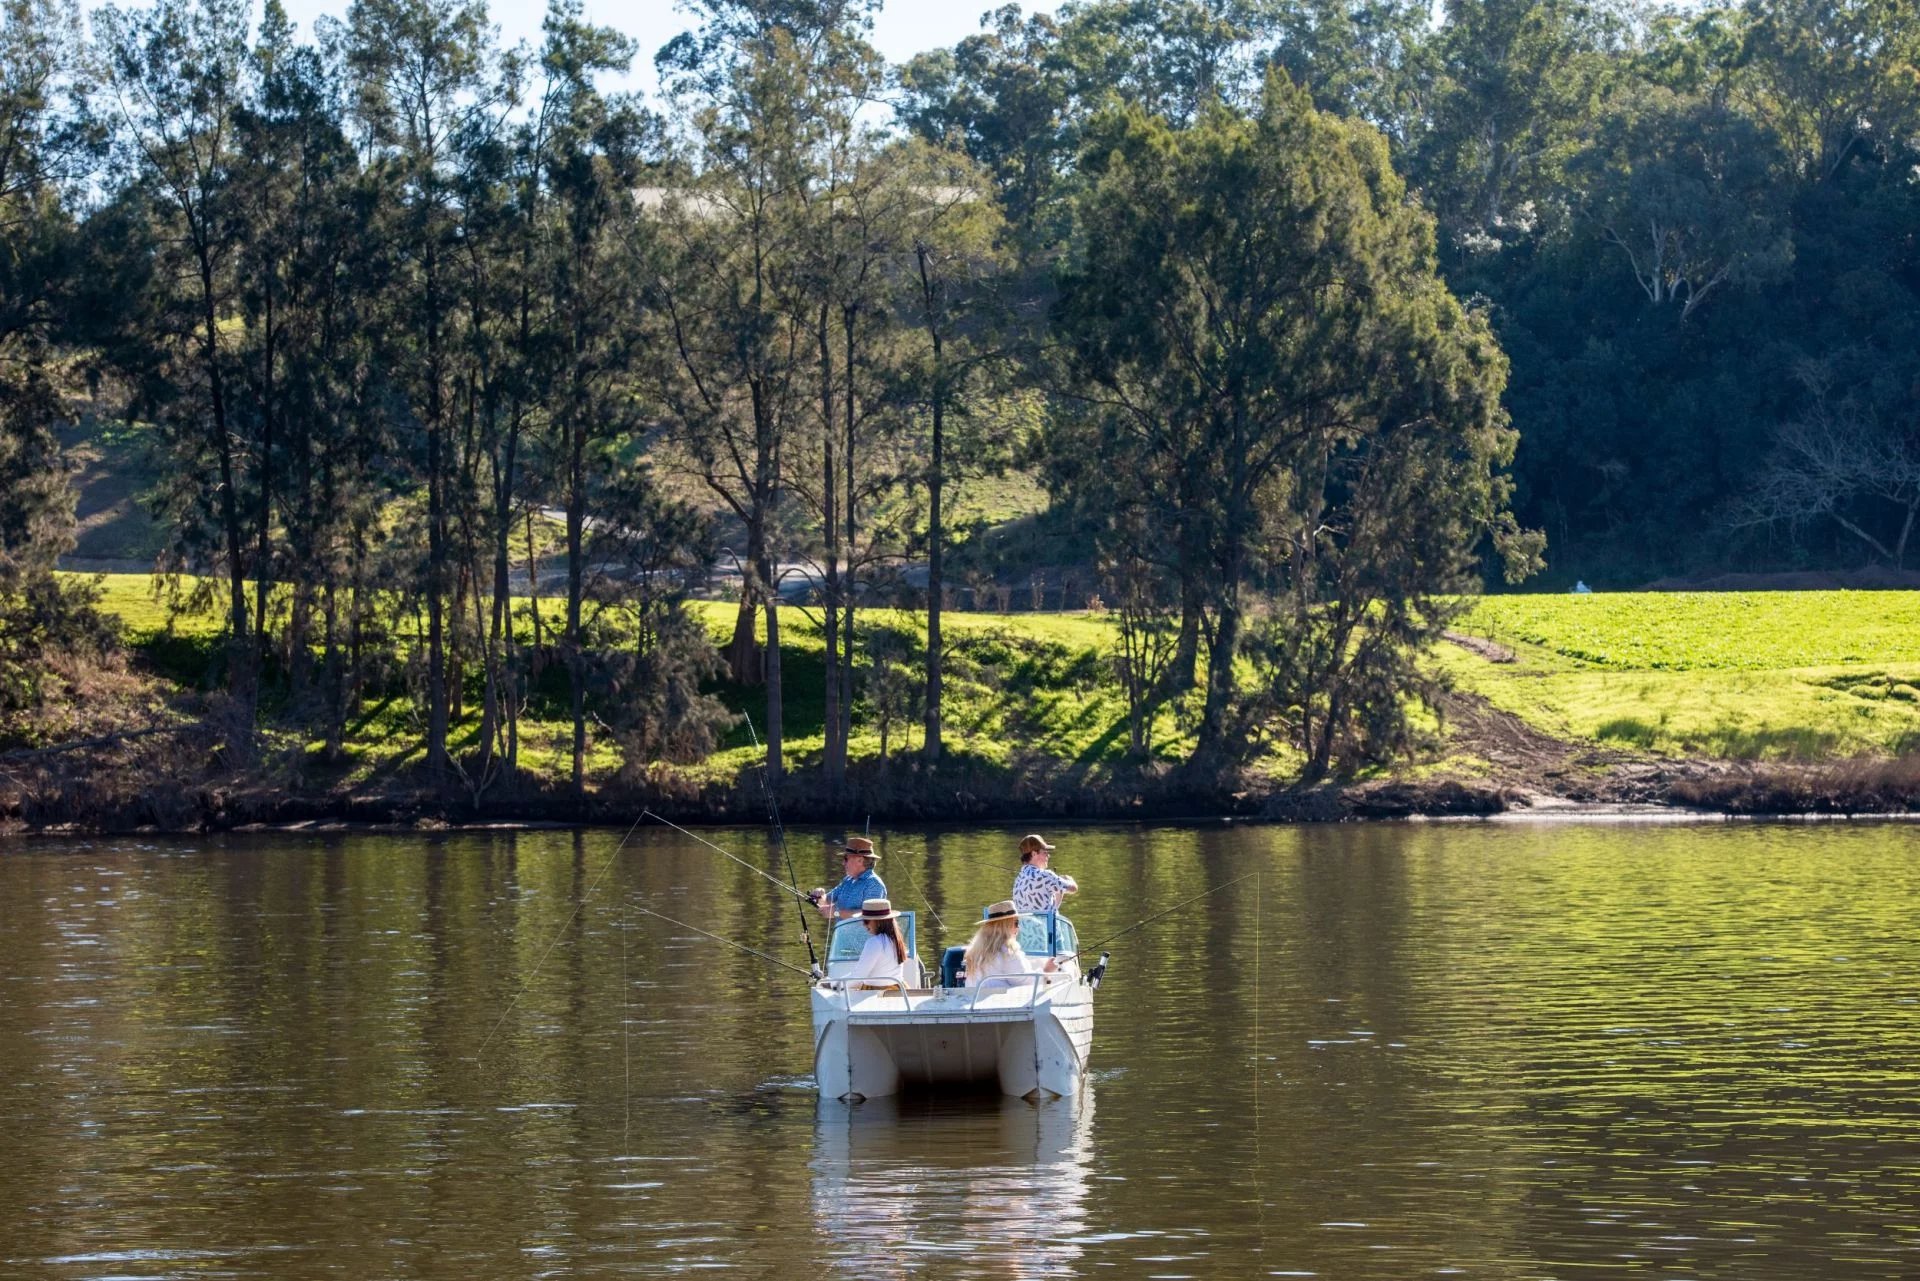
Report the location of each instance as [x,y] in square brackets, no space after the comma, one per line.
[780,832]
[771,960]
[777,882]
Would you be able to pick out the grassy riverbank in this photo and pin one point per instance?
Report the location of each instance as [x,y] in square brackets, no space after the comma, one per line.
[1701,697]
[1019,687]
[1799,676]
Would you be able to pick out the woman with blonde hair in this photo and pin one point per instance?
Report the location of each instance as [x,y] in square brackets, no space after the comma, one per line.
[995,951]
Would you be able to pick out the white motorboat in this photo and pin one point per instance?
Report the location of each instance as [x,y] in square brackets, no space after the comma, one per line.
[1029,1033]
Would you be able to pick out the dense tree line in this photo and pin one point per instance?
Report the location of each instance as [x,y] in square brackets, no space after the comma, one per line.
[411,315]
[1692,229]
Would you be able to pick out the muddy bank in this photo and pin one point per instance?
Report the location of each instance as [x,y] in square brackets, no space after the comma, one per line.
[175,782]
[154,788]
[241,803]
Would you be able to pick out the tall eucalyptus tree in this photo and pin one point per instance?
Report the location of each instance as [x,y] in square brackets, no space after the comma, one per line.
[429,88]
[767,88]
[175,75]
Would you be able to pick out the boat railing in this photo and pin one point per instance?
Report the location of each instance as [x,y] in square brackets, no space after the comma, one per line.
[847,986]
[1035,983]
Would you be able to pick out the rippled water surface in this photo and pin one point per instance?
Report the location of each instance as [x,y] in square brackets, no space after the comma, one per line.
[1392,1052]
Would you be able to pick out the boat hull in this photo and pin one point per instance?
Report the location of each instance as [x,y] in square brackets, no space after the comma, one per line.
[873,1044]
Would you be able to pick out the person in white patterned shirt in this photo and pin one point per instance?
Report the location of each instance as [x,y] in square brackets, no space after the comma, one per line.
[1037,888]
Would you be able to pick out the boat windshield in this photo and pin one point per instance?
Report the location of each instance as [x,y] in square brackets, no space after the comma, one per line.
[1047,934]
[850,936]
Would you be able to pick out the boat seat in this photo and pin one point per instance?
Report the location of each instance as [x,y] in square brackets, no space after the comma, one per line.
[950,964]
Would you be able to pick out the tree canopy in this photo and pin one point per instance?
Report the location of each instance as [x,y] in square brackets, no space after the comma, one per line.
[1307,313]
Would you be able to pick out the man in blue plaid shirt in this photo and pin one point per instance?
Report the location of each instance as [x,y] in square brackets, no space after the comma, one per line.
[856,887]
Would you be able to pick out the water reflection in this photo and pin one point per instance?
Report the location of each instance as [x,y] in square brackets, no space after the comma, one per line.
[1501,1052]
[978,1186]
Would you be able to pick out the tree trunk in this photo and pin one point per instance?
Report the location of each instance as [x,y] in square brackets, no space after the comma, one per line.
[1321,759]
[935,588]
[263,552]
[330,665]
[308,573]
[744,659]
[836,746]
[936,479]
[356,634]
[1863,535]
[848,316]
[533,589]
[576,578]
[1184,670]
[241,660]
[500,624]
[1210,743]
[436,538]
[776,713]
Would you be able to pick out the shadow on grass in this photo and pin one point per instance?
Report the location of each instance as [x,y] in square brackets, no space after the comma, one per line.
[1743,744]
[1630,730]
[803,699]
[1006,692]
[1733,742]
[1036,690]
[197,662]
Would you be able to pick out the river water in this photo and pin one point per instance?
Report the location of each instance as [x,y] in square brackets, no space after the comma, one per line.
[1481,1050]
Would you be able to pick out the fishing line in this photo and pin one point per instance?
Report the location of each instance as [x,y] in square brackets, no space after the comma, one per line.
[558,935]
[921,895]
[735,857]
[1091,947]
[626,1037]
[1259,1070]
[719,938]
[780,832]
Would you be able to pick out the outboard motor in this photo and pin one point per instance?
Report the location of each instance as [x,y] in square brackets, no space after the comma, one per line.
[953,966]
[1099,971]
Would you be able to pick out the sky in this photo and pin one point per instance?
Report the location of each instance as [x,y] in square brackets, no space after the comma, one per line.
[902,29]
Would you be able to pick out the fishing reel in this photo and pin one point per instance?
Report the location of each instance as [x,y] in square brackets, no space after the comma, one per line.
[1099,971]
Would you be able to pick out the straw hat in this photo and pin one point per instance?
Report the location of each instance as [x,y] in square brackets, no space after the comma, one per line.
[1031,845]
[1001,910]
[877,909]
[859,845]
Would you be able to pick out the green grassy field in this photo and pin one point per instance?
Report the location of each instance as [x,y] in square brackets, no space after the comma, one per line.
[1745,675]
[1754,676]
[1018,687]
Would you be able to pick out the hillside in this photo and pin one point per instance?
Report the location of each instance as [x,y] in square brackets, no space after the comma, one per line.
[1740,701]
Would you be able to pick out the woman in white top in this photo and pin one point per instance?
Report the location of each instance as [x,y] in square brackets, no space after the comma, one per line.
[995,950]
[885,955]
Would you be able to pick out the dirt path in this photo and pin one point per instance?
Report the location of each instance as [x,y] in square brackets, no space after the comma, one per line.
[1492,651]
[1542,771]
